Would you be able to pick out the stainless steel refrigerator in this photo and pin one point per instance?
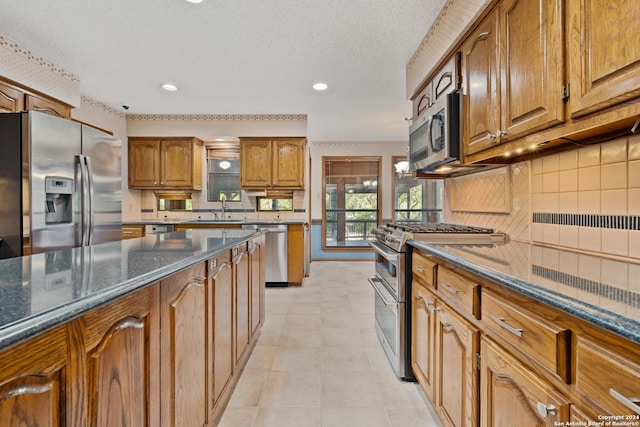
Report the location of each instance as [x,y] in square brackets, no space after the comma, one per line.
[60,184]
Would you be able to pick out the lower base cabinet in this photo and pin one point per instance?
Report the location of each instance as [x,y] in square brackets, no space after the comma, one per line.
[164,355]
[511,392]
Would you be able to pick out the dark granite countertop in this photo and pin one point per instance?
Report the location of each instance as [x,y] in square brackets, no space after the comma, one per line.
[41,291]
[599,290]
[206,221]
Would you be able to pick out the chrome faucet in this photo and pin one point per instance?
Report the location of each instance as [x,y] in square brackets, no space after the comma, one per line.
[224,206]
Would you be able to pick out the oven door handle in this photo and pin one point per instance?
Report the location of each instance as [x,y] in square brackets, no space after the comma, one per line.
[384,295]
[391,256]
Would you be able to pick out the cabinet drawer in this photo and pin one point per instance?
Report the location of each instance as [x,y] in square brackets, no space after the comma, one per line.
[423,269]
[529,333]
[608,379]
[459,291]
[132,231]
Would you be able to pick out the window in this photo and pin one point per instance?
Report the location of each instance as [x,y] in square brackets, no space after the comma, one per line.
[351,201]
[267,204]
[223,173]
[415,200]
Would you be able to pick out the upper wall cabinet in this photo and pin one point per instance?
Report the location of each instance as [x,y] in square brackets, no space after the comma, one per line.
[604,53]
[165,163]
[14,99]
[11,99]
[513,70]
[272,163]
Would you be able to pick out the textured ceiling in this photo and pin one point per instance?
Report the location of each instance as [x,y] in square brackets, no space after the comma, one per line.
[237,56]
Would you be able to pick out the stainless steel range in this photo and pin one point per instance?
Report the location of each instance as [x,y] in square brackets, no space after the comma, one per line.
[392,283]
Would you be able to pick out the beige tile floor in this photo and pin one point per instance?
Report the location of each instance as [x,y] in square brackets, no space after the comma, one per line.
[318,361]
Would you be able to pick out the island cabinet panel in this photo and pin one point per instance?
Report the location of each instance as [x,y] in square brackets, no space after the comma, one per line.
[257,290]
[183,351]
[603,55]
[118,340]
[511,392]
[34,381]
[221,312]
[242,294]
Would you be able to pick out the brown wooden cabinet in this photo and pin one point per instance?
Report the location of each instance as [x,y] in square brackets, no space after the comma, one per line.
[48,106]
[221,313]
[131,231]
[183,354]
[456,375]
[513,73]
[34,380]
[423,321]
[272,163]
[256,287]
[604,69]
[120,348]
[11,98]
[240,261]
[295,254]
[512,392]
[165,163]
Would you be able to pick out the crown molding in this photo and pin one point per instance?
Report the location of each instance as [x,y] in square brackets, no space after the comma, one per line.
[217,117]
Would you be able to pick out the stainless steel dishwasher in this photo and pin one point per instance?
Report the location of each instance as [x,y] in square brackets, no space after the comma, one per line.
[276,259]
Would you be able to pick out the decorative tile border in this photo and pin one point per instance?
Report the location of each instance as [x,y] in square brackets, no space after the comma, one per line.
[218,117]
[607,291]
[618,222]
[99,105]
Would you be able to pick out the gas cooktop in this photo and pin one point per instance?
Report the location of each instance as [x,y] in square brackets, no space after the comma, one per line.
[395,235]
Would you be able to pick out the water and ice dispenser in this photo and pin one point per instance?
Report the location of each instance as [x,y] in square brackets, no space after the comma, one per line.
[59,200]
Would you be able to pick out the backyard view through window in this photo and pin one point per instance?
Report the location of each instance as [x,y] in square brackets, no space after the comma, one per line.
[351,201]
[416,200]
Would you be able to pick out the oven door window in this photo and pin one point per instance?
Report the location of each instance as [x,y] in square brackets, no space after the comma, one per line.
[387,271]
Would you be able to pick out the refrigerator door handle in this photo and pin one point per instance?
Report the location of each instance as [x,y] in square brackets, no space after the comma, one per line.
[80,210]
[90,210]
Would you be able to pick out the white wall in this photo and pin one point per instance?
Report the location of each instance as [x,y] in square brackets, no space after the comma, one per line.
[385,149]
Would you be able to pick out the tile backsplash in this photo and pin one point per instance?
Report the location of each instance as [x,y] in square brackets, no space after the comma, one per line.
[587,198]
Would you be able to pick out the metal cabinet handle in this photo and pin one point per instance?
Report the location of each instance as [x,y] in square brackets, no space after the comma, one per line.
[432,307]
[419,269]
[501,322]
[501,133]
[629,402]
[545,410]
[449,289]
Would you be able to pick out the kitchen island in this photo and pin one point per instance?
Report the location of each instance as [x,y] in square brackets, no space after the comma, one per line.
[523,331]
[148,331]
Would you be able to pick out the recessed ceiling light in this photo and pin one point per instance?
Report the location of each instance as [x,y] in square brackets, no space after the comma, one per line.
[320,86]
[194,1]
[169,87]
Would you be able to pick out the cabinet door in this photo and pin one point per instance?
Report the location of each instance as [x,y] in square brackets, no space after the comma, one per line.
[241,286]
[33,382]
[177,164]
[423,320]
[33,102]
[295,253]
[256,286]
[11,99]
[255,163]
[288,163]
[481,100]
[118,344]
[144,163]
[511,392]
[456,373]
[531,66]
[603,54]
[183,348]
[221,303]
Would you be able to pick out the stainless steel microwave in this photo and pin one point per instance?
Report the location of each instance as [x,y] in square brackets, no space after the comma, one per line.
[434,137]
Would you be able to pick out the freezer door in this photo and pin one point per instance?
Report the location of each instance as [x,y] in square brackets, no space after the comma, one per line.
[105,158]
[49,148]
